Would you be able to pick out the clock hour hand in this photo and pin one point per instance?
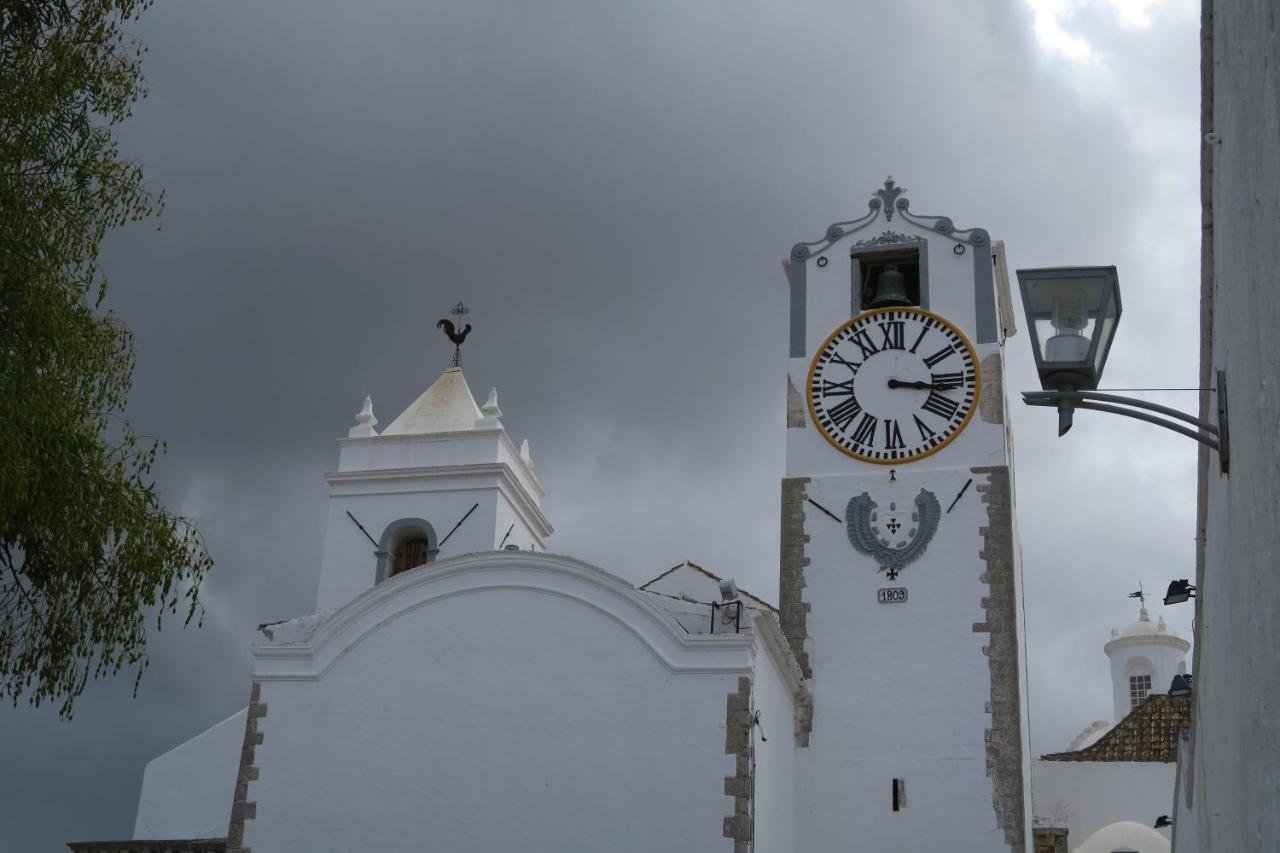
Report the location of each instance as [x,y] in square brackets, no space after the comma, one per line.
[923,386]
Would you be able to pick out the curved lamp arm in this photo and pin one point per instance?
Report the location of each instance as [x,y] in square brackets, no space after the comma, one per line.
[1214,436]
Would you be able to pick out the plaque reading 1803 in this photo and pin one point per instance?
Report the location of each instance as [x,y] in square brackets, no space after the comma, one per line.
[892,594]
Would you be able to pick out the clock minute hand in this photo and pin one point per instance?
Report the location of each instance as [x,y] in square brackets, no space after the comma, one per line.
[923,386]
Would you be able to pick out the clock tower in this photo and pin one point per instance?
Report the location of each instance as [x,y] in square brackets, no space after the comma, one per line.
[900,586]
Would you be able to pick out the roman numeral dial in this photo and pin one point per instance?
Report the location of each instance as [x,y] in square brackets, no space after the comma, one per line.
[893,385]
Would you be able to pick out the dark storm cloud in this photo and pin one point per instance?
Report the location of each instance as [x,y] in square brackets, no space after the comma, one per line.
[611,189]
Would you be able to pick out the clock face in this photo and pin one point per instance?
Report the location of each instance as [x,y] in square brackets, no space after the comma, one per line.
[893,385]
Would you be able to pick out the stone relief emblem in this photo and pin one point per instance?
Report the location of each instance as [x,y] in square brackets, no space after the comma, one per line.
[895,536]
[885,239]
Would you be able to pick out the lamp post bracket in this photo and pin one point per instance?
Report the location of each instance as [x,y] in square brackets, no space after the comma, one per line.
[1211,435]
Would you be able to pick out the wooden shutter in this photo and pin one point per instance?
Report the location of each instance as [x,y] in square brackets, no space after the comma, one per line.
[412,553]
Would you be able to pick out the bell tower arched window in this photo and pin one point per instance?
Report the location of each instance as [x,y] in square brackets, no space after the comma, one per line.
[406,543]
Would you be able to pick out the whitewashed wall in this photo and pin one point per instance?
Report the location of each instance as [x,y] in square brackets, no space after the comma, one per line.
[491,703]
[776,757]
[382,479]
[1235,786]
[1088,795]
[1184,807]
[900,690]
[187,792]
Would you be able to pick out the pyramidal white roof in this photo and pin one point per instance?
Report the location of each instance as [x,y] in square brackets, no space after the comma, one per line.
[447,406]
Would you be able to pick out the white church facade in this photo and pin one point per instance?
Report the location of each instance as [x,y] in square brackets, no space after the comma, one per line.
[461,687]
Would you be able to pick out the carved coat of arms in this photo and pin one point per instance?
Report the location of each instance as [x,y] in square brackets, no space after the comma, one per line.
[894,536]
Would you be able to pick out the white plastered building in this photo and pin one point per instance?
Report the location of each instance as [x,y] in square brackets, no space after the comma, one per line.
[460,687]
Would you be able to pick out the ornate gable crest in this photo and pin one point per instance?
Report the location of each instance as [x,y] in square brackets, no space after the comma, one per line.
[888,200]
[895,536]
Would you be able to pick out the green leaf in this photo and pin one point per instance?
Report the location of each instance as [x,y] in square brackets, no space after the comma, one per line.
[86,547]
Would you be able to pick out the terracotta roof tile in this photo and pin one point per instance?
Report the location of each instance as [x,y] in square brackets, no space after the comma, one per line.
[1147,733]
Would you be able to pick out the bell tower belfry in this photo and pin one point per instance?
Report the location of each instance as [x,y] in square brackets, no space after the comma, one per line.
[900,587]
[442,479]
[1144,658]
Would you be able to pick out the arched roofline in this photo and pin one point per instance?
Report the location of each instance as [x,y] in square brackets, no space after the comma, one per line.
[305,648]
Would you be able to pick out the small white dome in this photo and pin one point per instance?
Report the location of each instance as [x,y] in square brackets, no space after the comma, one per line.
[1145,629]
[1091,735]
[1125,836]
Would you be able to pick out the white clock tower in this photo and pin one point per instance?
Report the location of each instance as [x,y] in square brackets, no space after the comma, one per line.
[900,584]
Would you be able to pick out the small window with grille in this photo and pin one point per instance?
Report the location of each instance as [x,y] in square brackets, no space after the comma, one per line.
[1139,689]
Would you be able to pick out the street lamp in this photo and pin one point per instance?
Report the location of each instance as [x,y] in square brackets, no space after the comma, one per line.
[1072,313]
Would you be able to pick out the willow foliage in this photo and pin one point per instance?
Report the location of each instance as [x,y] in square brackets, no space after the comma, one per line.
[87,550]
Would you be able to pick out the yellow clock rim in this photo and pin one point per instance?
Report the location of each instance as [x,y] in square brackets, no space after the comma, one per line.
[858,318]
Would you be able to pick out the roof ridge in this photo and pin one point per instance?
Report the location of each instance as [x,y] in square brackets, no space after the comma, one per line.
[715,577]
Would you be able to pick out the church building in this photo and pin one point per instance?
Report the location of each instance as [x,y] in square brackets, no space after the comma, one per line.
[1111,786]
[461,686]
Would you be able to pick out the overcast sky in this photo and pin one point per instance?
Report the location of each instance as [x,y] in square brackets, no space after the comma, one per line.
[612,188]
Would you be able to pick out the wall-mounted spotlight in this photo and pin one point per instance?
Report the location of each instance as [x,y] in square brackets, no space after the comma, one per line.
[1163,822]
[1181,685]
[1179,591]
[729,607]
[728,590]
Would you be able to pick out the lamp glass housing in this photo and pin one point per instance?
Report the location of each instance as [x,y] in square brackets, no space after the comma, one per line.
[1072,313]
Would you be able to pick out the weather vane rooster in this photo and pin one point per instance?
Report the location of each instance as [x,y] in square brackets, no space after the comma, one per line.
[457,337]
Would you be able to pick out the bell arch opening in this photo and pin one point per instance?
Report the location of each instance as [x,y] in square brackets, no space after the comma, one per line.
[406,543]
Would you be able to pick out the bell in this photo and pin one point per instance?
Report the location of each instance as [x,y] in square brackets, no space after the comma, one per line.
[891,289]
